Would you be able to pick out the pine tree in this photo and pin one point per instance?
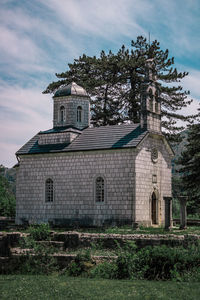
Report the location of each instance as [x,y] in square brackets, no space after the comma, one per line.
[173,98]
[100,77]
[190,161]
[114,83]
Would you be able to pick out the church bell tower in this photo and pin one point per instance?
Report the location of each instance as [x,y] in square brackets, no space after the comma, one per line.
[150,118]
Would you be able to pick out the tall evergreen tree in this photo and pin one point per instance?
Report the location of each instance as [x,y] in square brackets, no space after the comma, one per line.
[114,83]
[100,77]
[173,98]
[190,161]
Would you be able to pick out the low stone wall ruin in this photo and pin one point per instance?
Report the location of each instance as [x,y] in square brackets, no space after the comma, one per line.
[11,255]
[72,239]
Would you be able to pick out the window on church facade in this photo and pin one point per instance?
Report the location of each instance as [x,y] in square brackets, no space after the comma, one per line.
[156,107]
[49,190]
[79,114]
[100,189]
[62,114]
[151,105]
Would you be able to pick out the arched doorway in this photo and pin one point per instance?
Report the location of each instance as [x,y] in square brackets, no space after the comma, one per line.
[154,208]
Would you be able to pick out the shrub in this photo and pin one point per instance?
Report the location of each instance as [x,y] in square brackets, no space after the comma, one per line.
[38,258]
[128,264]
[42,262]
[152,263]
[81,264]
[104,270]
[160,262]
[192,275]
[40,232]
[7,198]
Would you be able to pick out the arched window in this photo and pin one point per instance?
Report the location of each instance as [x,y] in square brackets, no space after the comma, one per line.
[99,189]
[62,114]
[150,104]
[79,114]
[49,190]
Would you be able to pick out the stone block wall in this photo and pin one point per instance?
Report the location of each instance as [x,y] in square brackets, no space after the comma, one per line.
[56,138]
[152,177]
[74,176]
[71,103]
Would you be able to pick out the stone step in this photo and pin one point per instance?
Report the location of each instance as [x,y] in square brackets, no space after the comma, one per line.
[63,260]
[55,244]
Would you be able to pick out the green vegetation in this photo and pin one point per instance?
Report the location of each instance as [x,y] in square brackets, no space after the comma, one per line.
[152,263]
[7,197]
[40,232]
[82,263]
[63,287]
[38,259]
[127,229]
[122,259]
[141,230]
[10,175]
[190,161]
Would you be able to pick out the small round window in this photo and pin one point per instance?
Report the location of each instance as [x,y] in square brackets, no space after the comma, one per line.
[154,155]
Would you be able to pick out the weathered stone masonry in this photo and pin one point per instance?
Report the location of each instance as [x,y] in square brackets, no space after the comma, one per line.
[145,169]
[74,186]
[75,174]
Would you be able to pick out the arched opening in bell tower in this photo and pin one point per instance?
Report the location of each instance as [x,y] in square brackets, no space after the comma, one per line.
[62,114]
[79,114]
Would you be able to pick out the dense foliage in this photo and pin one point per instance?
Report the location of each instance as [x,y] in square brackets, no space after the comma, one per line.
[114,82]
[123,261]
[40,232]
[190,161]
[7,197]
[152,263]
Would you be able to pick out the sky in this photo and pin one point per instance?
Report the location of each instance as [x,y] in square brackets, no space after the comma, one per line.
[39,38]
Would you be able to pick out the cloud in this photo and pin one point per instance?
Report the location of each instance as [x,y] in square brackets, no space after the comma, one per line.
[23,113]
[181,23]
[107,19]
[191,109]
[191,82]
[15,46]
[31,43]
[8,151]
[39,38]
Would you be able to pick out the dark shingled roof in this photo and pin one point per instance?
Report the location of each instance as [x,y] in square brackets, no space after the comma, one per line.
[104,137]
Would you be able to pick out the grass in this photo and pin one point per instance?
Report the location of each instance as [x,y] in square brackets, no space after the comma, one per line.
[141,230]
[63,287]
[127,229]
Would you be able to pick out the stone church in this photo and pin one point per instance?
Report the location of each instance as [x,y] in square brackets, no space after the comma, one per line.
[93,176]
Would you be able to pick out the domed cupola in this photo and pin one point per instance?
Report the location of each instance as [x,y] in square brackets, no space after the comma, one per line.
[70,89]
[71,107]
